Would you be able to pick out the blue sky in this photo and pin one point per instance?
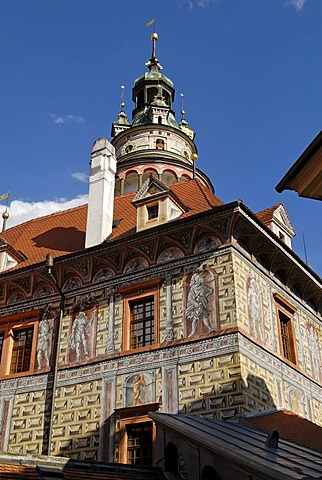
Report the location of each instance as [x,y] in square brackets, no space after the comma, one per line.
[250,71]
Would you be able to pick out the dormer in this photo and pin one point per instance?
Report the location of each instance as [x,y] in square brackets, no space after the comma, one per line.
[9,257]
[155,204]
[277,220]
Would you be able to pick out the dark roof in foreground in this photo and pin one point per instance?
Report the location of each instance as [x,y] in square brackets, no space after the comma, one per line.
[245,447]
[27,467]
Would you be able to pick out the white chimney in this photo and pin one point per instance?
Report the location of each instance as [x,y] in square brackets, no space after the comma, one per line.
[101,193]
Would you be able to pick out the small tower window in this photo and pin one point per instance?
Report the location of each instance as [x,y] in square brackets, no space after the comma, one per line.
[159,143]
[128,148]
[281,236]
[160,120]
[153,211]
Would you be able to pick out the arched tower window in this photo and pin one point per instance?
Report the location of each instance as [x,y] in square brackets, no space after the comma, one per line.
[168,177]
[160,120]
[131,182]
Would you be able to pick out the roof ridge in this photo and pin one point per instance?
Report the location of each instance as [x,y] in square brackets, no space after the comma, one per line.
[201,187]
[271,208]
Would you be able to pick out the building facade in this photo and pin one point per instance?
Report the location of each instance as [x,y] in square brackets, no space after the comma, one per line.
[156,297]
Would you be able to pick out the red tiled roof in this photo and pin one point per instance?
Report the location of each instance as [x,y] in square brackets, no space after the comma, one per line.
[64,232]
[266,215]
[290,426]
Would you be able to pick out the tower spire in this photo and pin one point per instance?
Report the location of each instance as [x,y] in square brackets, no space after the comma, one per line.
[153,64]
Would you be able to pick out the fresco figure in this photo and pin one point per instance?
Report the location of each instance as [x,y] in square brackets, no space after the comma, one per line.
[43,343]
[139,381]
[78,337]
[314,350]
[254,297]
[197,302]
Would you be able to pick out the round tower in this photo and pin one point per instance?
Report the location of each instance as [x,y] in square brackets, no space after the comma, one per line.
[153,143]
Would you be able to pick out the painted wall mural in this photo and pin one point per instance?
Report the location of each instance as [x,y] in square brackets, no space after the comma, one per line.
[314,351]
[200,302]
[138,389]
[255,308]
[45,337]
[82,335]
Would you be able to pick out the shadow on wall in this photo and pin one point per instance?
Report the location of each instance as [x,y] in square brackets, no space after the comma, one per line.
[231,398]
[256,394]
[63,239]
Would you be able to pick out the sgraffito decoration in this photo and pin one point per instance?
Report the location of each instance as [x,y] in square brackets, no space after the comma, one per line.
[200,302]
[138,389]
[82,334]
[255,308]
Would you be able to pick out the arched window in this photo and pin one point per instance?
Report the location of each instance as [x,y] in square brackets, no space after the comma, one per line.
[160,120]
[209,473]
[168,177]
[171,458]
[131,182]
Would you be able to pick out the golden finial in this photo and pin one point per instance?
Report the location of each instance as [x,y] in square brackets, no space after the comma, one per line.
[122,105]
[182,110]
[194,158]
[5,217]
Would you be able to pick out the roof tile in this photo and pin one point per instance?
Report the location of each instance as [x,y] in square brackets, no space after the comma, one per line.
[64,232]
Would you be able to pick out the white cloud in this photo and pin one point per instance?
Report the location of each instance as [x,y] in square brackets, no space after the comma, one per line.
[21,211]
[197,3]
[61,119]
[81,177]
[298,4]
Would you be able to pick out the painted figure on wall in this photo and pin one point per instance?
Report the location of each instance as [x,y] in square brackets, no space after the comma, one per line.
[314,349]
[138,389]
[45,333]
[78,339]
[255,307]
[139,381]
[200,308]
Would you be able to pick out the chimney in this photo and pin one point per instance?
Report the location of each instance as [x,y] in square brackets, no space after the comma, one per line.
[101,193]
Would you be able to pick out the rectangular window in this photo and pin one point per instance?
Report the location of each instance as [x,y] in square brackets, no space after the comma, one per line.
[137,434]
[139,443]
[140,314]
[21,350]
[285,316]
[142,322]
[153,211]
[18,342]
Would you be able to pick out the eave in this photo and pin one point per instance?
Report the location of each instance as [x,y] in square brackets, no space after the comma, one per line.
[305,176]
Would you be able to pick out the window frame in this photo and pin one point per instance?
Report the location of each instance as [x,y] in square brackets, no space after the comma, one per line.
[151,209]
[145,323]
[134,293]
[8,327]
[285,314]
[130,416]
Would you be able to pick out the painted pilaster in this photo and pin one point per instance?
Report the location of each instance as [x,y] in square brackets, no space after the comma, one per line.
[111,320]
[169,334]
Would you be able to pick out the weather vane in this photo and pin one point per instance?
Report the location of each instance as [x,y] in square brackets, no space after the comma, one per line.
[151,22]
